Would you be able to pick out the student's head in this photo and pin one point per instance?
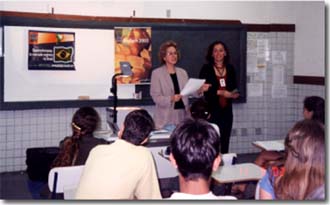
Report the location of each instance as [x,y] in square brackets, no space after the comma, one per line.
[85,121]
[217,46]
[168,50]
[305,161]
[314,108]
[195,149]
[137,126]
[200,110]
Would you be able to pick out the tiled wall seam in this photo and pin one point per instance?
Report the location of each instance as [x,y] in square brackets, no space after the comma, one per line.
[260,118]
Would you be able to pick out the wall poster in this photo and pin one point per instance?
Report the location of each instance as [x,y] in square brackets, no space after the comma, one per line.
[133,44]
[51,50]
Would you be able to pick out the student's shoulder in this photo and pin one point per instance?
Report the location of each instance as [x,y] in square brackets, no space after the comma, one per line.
[100,149]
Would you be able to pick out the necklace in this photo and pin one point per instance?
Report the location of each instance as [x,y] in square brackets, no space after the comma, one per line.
[220,70]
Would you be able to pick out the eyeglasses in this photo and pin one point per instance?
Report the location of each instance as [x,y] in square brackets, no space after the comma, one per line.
[172,53]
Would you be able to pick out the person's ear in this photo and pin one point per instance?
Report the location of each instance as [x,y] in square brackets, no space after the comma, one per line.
[144,141]
[216,163]
[120,132]
[173,161]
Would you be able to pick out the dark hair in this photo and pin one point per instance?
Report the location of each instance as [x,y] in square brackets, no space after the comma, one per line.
[305,161]
[315,104]
[84,122]
[137,126]
[195,145]
[163,47]
[209,57]
[199,109]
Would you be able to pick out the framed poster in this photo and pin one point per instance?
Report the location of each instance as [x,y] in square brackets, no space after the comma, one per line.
[51,50]
[133,45]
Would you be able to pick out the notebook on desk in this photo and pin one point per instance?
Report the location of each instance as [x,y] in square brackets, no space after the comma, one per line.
[270,145]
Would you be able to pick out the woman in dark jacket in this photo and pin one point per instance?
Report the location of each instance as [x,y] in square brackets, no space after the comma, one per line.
[221,75]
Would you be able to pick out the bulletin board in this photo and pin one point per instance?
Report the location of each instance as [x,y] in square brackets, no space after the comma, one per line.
[21,89]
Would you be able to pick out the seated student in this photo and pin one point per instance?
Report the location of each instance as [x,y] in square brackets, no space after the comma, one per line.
[313,110]
[124,169]
[195,153]
[304,168]
[199,109]
[74,149]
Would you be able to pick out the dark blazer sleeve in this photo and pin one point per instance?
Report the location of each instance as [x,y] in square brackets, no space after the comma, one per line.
[208,74]
[231,82]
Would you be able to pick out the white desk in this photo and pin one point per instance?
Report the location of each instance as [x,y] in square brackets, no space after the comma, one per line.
[163,166]
[238,173]
[270,145]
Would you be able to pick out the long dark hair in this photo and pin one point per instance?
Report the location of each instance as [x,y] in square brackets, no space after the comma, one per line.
[84,122]
[209,58]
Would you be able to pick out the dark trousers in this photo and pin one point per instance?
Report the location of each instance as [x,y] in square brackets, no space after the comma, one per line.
[224,119]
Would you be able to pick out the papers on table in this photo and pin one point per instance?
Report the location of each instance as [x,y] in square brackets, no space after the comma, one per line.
[271,145]
[192,86]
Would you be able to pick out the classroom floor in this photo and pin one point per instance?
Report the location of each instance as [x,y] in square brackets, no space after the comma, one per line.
[13,185]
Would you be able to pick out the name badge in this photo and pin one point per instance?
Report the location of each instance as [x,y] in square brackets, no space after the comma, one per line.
[222,82]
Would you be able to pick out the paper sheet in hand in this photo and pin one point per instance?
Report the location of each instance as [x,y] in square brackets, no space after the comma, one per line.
[192,86]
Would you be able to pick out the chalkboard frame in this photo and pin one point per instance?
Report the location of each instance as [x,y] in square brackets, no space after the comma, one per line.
[89,22]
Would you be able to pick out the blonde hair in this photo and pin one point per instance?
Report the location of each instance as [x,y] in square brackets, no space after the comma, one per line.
[305,162]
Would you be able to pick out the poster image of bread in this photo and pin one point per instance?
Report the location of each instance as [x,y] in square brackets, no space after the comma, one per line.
[133,44]
[51,50]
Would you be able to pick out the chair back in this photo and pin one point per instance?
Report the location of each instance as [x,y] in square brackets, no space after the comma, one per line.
[64,179]
[257,192]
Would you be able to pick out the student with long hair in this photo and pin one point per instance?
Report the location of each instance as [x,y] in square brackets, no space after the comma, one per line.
[313,110]
[74,149]
[304,168]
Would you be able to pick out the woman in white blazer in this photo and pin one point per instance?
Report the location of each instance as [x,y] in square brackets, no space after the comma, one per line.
[166,83]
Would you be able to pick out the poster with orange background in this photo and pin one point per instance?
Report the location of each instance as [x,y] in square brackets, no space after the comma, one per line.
[133,45]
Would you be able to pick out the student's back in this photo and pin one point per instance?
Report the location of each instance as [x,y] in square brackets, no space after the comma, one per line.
[124,169]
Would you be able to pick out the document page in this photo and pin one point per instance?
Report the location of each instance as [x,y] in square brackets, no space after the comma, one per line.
[192,86]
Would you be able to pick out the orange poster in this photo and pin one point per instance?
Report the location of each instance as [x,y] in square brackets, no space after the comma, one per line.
[133,45]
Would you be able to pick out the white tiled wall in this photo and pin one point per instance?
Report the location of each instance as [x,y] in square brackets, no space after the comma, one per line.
[260,118]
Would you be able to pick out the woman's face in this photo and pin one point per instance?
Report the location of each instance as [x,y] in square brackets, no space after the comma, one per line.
[218,53]
[171,56]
